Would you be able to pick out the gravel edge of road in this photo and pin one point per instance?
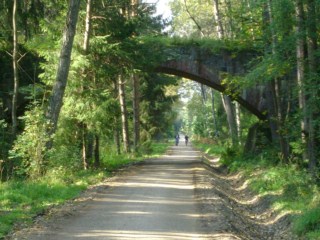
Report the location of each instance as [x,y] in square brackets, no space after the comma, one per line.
[247,214]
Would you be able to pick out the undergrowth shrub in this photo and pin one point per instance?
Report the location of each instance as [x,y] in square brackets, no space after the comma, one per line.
[5,146]
[28,153]
[146,147]
[235,159]
[308,224]
[210,147]
[68,156]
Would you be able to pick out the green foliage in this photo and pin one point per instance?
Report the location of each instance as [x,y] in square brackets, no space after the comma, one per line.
[198,113]
[153,149]
[4,148]
[145,147]
[294,183]
[65,155]
[308,224]
[267,68]
[214,46]
[156,107]
[28,151]
[182,23]
[149,149]
[158,148]
[241,20]
[212,148]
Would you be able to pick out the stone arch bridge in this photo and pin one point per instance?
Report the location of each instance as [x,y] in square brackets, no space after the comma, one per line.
[205,67]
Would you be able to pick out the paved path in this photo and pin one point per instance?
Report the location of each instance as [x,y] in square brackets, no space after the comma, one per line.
[152,201]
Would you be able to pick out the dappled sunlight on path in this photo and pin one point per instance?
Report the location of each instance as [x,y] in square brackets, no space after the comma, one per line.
[165,198]
[155,200]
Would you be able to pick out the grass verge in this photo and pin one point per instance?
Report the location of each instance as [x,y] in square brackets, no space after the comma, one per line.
[20,201]
[291,187]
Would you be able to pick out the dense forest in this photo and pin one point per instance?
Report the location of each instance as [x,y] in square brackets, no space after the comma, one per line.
[78,86]
[103,90]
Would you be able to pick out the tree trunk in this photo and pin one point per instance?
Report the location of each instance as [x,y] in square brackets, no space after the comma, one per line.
[85,47]
[96,151]
[300,43]
[124,114]
[134,7]
[218,19]
[238,120]
[276,113]
[117,140]
[56,98]
[312,47]
[90,145]
[116,130]
[136,90]
[203,93]
[231,119]
[15,71]
[84,147]
[204,103]
[136,111]
[87,28]
[231,31]
[214,116]
[227,104]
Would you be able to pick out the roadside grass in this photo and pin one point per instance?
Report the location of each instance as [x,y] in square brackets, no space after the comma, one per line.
[209,147]
[292,188]
[112,161]
[21,200]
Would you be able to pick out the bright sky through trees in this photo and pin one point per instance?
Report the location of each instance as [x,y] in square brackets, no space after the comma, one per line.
[162,7]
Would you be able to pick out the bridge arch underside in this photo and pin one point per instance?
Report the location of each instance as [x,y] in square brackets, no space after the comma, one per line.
[251,99]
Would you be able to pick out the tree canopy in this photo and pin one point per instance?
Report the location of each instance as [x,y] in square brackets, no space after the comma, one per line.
[78,82]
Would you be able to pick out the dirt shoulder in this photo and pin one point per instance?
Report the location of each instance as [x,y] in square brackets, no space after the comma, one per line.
[246,215]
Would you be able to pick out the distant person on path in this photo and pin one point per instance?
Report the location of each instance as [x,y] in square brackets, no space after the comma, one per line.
[186,139]
[177,139]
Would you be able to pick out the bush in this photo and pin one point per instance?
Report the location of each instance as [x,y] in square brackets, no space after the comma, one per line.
[28,151]
[308,224]
[4,148]
[145,147]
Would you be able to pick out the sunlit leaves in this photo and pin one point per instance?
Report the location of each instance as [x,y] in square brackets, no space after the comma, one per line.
[266,68]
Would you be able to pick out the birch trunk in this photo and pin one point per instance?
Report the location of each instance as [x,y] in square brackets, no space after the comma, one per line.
[124,114]
[84,147]
[238,120]
[85,47]
[300,42]
[218,19]
[15,71]
[87,31]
